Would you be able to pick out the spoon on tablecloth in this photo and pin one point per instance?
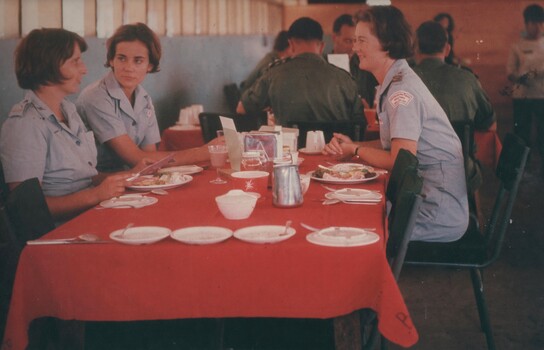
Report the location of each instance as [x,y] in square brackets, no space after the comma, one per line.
[86,237]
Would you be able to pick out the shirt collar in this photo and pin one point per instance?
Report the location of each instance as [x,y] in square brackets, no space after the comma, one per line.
[115,91]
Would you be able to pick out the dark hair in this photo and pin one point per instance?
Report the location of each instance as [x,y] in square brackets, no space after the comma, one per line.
[305,28]
[39,56]
[136,32]
[533,13]
[391,28]
[451,23]
[342,20]
[431,37]
[281,43]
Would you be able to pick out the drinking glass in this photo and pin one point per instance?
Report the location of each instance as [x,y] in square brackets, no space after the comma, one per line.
[218,159]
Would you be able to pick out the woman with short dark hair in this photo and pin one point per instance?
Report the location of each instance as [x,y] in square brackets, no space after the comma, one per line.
[118,109]
[410,118]
[43,136]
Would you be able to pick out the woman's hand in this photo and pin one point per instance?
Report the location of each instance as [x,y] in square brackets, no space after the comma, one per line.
[111,186]
[340,146]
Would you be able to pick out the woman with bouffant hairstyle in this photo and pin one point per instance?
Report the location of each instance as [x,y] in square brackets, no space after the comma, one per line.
[410,118]
[120,111]
[44,137]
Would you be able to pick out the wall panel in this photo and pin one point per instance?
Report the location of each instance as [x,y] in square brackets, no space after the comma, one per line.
[156,16]
[40,13]
[9,19]
[109,16]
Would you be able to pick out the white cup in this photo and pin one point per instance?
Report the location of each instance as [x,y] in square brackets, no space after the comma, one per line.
[183,118]
[315,141]
[196,110]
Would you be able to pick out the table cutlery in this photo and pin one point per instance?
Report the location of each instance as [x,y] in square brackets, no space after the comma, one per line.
[84,238]
[125,230]
[332,189]
[150,169]
[287,225]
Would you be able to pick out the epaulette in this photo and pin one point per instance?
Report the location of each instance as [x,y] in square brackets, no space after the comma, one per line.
[18,109]
[279,61]
[397,78]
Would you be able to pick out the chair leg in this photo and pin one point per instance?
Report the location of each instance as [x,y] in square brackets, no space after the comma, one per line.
[478,287]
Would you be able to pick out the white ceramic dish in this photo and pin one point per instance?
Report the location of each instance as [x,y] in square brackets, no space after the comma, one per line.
[264,234]
[332,196]
[140,235]
[343,237]
[346,167]
[185,179]
[184,169]
[355,194]
[236,204]
[201,234]
[129,202]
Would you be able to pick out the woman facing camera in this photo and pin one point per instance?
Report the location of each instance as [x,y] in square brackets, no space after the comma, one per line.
[120,111]
[412,119]
[44,137]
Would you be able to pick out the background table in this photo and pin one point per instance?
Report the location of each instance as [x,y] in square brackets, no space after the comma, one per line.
[170,280]
[176,138]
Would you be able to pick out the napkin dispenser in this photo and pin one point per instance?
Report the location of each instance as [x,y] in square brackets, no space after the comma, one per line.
[270,143]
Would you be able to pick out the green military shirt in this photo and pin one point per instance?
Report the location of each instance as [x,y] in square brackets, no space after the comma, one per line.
[366,82]
[305,88]
[457,91]
[259,69]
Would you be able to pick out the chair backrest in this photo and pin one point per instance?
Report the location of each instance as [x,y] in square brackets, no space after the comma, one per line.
[28,211]
[355,129]
[232,95]
[465,131]
[404,162]
[210,123]
[402,219]
[509,171]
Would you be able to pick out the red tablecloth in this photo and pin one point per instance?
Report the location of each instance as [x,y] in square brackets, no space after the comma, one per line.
[170,280]
[174,140]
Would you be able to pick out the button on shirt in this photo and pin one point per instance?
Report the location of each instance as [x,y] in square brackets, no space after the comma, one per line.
[305,88]
[407,110]
[33,143]
[107,111]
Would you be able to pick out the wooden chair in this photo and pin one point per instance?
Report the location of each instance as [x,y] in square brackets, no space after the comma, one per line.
[355,129]
[479,248]
[210,123]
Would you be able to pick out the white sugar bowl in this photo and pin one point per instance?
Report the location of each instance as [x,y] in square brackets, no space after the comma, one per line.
[236,204]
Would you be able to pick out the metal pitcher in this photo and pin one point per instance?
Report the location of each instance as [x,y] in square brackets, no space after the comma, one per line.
[286,189]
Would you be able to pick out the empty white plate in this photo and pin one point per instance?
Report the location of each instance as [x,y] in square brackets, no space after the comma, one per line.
[140,235]
[343,237]
[201,234]
[264,234]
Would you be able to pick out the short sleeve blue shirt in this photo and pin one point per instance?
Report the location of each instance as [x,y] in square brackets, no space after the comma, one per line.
[33,143]
[107,111]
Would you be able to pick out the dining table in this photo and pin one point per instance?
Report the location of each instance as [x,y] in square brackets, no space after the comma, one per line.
[168,279]
[180,137]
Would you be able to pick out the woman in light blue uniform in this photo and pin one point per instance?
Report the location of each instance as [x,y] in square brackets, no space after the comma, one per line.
[412,119]
[120,111]
[43,136]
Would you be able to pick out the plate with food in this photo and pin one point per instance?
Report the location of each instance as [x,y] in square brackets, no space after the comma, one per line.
[183,169]
[344,173]
[343,237]
[264,233]
[159,181]
[202,234]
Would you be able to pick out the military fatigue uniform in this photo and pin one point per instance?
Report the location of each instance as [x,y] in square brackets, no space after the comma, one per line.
[366,82]
[33,143]
[259,70]
[407,110]
[305,88]
[106,109]
[461,96]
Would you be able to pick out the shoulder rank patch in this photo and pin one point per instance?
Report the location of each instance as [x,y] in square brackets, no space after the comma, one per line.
[400,98]
[396,78]
[279,61]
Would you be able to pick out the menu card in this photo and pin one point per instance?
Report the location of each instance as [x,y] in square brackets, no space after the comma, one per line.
[233,143]
[340,60]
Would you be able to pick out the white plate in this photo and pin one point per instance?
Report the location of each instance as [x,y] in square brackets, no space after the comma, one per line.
[201,234]
[129,201]
[349,166]
[355,195]
[140,235]
[343,237]
[184,169]
[186,178]
[264,234]
[344,182]
[305,151]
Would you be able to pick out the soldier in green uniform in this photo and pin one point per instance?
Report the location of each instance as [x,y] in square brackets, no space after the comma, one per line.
[343,36]
[304,87]
[280,50]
